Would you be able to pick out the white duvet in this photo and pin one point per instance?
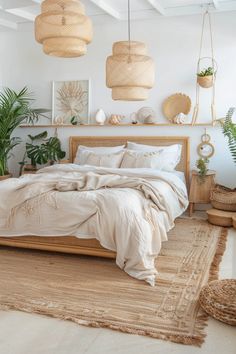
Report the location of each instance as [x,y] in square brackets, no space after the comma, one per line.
[128,211]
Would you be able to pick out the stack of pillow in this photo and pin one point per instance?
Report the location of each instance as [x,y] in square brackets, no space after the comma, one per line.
[164,158]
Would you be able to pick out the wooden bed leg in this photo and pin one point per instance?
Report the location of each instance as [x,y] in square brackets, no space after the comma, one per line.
[191,209]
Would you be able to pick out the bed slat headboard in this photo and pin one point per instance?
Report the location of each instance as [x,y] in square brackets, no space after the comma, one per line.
[94,141]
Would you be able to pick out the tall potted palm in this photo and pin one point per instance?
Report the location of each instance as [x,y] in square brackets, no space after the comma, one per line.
[15,108]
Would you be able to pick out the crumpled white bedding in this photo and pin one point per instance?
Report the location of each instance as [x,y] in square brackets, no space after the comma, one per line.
[129,211]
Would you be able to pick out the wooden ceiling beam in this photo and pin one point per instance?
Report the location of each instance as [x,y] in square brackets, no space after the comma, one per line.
[22,13]
[103,5]
[216,4]
[157,6]
[14,4]
[8,24]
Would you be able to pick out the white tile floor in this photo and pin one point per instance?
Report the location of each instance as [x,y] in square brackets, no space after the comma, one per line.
[22,333]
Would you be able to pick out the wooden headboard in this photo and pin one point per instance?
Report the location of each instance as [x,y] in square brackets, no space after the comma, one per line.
[148,140]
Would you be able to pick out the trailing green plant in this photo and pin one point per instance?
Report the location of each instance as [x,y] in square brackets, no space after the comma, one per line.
[42,150]
[15,108]
[202,165]
[206,72]
[229,131]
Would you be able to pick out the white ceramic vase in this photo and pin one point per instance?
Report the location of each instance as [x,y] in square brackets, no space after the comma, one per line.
[100,117]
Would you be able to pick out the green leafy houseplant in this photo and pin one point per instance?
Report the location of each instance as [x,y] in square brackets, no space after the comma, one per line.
[42,150]
[206,72]
[15,108]
[202,165]
[229,131]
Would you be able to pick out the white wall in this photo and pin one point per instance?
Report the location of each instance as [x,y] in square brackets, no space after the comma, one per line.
[174,45]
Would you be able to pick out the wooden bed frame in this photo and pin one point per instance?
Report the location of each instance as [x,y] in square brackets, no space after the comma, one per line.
[71,244]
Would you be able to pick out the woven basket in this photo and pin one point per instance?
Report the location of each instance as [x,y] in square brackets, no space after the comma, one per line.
[223,198]
[218,299]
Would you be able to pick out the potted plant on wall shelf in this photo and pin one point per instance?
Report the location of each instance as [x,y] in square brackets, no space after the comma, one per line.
[41,150]
[15,108]
[205,77]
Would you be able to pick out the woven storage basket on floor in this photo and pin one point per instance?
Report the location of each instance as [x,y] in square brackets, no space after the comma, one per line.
[218,299]
[223,198]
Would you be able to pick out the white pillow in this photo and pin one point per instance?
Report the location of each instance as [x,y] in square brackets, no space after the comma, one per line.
[141,159]
[171,154]
[101,150]
[86,157]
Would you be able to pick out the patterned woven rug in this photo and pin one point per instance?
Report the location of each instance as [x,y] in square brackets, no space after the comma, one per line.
[95,292]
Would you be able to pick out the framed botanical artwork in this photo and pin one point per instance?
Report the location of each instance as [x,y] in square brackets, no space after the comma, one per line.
[70,102]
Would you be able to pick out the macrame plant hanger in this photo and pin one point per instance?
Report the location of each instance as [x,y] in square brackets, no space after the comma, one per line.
[207,81]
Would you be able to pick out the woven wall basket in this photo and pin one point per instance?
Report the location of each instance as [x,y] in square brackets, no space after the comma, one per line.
[129,71]
[205,81]
[63,28]
[223,198]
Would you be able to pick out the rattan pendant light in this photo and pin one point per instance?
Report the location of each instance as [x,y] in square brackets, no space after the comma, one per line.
[129,71]
[63,28]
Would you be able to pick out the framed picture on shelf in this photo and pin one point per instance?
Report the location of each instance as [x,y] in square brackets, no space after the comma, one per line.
[70,102]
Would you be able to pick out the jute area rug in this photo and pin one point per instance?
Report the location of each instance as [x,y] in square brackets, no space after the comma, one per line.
[95,292]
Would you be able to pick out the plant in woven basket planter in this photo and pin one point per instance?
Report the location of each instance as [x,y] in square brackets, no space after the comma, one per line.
[205,77]
[224,198]
[202,166]
[41,150]
[15,108]
[229,130]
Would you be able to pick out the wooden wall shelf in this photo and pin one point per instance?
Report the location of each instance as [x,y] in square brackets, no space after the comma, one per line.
[116,126]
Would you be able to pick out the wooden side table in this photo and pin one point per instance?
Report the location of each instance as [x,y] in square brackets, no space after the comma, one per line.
[200,189]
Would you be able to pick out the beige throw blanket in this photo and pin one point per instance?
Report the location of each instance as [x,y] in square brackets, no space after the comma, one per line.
[128,211]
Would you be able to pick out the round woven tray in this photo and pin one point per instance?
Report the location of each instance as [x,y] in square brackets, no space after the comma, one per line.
[218,299]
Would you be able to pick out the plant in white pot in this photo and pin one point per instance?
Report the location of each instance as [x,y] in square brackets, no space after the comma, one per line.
[15,108]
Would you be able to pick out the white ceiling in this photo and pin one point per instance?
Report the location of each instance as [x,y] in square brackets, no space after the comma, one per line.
[19,14]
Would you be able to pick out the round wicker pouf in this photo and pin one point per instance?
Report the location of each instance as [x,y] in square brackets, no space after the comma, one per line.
[218,299]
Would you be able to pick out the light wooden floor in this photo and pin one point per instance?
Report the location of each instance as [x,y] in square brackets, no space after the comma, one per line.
[22,333]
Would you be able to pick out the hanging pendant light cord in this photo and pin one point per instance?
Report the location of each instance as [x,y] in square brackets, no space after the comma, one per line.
[206,16]
[129,31]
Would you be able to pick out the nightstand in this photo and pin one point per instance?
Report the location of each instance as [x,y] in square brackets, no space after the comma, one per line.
[200,189]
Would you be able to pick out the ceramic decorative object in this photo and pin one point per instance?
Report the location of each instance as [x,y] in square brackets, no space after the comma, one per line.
[176,104]
[149,120]
[58,120]
[179,118]
[115,119]
[100,117]
[144,113]
[133,118]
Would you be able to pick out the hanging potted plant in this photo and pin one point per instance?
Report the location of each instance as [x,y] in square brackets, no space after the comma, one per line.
[41,150]
[15,108]
[205,77]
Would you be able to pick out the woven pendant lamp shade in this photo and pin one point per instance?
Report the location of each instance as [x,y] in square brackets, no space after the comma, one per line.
[129,71]
[63,28]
